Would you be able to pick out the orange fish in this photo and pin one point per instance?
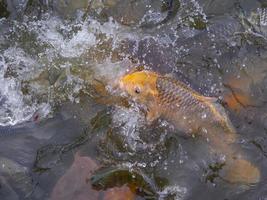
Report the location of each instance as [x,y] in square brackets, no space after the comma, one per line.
[190,112]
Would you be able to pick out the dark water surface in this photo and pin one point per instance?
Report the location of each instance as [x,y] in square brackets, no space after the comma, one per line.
[66,134]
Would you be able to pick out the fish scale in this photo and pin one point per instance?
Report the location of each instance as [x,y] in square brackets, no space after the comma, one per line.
[175,95]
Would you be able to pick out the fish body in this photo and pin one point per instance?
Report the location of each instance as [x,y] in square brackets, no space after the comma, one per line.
[189,110]
[193,114]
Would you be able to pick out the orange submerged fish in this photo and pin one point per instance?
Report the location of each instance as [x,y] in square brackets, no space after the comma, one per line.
[193,114]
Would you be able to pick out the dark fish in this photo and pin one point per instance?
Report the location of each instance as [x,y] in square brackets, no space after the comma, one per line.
[117,177]
[172,7]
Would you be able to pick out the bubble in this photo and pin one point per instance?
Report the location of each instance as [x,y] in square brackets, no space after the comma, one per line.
[204,116]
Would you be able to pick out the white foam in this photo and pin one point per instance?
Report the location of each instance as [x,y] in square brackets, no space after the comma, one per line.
[13,110]
[49,33]
[130,121]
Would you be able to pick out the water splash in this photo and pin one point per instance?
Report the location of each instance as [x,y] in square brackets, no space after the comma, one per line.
[178,192]
[13,107]
[129,121]
[50,32]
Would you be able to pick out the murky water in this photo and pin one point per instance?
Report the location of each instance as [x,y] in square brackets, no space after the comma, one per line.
[66,134]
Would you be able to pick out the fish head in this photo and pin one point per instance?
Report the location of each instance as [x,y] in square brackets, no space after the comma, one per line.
[140,85]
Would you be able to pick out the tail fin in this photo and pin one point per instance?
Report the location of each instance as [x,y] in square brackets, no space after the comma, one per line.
[241,171]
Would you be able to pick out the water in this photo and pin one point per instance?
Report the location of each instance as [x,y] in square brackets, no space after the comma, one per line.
[59,61]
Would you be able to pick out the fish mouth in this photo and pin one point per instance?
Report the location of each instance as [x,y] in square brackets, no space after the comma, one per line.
[120,84]
[120,87]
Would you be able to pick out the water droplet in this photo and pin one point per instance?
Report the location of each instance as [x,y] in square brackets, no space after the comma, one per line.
[204,116]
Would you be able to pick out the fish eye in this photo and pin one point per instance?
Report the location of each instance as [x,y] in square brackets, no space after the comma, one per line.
[137,90]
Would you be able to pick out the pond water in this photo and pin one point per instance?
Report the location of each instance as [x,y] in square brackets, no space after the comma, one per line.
[66,133]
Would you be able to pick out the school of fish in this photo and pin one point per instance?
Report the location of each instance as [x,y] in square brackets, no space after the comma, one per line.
[192,114]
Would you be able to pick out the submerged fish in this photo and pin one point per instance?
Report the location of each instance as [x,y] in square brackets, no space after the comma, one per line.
[190,112]
[120,176]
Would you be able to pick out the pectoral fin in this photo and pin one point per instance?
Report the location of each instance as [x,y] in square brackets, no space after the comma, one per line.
[209,99]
